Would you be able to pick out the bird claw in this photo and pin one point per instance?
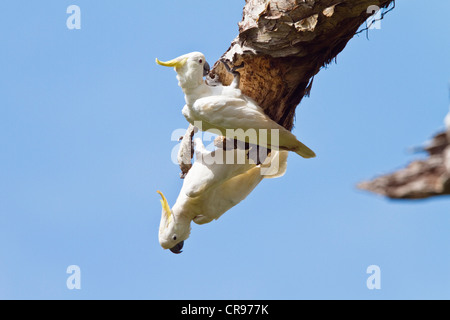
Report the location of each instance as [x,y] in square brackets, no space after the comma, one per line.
[232,70]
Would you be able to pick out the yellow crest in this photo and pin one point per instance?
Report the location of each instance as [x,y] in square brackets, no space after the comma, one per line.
[177,63]
[165,205]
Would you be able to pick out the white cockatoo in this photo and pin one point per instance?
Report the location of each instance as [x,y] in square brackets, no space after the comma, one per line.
[211,187]
[226,110]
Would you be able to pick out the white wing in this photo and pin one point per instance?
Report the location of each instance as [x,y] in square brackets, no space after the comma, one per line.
[234,190]
[229,194]
[276,165]
[224,112]
[213,169]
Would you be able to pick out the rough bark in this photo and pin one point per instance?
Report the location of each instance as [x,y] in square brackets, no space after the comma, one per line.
[284,44]
[420,179]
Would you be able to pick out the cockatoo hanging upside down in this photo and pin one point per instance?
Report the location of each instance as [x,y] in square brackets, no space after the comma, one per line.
[226,109]
[210,189]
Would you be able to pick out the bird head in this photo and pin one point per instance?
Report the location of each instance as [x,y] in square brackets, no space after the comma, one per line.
[172,231]
[190,68]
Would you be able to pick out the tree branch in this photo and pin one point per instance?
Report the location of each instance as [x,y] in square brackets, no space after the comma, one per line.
[420,179]
[284,44]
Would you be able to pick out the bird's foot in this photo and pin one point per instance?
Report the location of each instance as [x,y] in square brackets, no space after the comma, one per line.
[233,70]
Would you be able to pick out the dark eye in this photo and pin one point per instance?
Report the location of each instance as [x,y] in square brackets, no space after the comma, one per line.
[174,238]
[200,61]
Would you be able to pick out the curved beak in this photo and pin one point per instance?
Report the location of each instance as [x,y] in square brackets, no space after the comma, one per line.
[177,248]
[206,69]
[176,63]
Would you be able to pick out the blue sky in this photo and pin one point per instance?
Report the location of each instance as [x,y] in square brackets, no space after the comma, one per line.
[86,118]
